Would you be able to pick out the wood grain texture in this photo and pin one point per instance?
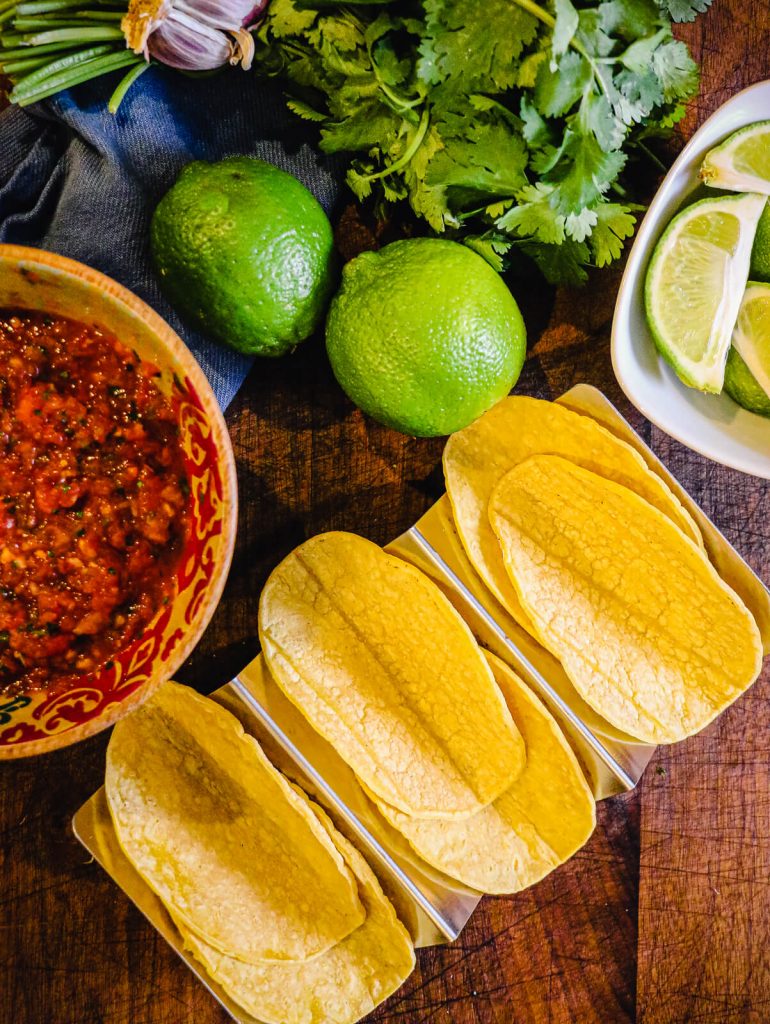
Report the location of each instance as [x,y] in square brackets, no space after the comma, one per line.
[663,918]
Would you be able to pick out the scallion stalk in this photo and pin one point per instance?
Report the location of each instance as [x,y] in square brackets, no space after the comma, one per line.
[16,67]
[75,76]
[125,84]
[56,67]
[81,34]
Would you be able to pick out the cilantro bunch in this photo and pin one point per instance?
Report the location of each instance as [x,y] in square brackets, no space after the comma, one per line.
[507,124]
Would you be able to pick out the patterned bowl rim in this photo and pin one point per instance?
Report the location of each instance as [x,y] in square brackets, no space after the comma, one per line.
[170,341]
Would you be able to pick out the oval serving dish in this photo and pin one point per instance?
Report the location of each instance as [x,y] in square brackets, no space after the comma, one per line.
[710,424]
[38,721]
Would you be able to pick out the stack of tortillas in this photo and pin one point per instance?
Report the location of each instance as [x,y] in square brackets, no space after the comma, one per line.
[452,748]
[279,908]
[592,553]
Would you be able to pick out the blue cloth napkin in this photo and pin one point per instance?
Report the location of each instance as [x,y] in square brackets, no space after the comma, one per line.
[81,182]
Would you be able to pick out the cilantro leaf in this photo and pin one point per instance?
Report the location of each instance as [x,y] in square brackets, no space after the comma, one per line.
[491,246]
[535,129]
[591,34]
[564,263]
[534,216]
[585,174]
[613,224]
[640,92]
[558,90]
[630,19]
[597,117]
[565,27]
[370,126]
[579,225]
[474,44]
[684,10]
[305,111]
[675,69]
[286,19]
[488,160]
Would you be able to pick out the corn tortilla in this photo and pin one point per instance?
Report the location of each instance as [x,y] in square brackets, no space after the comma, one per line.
[221,837]
[385,669]
[341,985]
[649,634]
[536,825]
[476,459]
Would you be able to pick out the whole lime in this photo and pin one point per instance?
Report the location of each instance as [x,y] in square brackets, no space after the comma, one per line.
[246,252]
[760,252]
[424,335]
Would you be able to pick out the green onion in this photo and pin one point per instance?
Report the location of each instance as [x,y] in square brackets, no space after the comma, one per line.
[13,67]
[39,24]
[26,51]
[57,66]
[124,85]
[76,35]
[48,6]
[74,76]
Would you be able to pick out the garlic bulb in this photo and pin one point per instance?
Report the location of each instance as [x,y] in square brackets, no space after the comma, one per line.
[193,35]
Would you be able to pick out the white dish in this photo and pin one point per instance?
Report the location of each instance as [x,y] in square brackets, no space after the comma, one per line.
[710,424]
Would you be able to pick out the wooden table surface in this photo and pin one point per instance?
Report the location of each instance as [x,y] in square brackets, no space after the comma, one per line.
[663,917]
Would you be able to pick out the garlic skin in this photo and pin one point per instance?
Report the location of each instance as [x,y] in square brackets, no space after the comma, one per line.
[193,35]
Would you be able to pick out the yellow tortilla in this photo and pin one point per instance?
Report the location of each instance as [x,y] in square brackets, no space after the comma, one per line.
[649,634]
[536,825]
[476,459]
[338,987]
[221,837]
[385,669]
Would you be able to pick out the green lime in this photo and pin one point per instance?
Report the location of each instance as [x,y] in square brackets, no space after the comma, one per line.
[694,285]
[747,377]
[760,253]
[424,336]
[741,385]
[742,162]
[246,252]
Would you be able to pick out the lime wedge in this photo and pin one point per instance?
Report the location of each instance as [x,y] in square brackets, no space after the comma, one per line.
[759,270]
[742,162]
[741,385]
[695,282]
[751,337]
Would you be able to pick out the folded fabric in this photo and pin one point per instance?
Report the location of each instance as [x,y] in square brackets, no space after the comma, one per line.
[79,181]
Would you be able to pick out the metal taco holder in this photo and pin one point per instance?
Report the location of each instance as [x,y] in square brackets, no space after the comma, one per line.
[434,907]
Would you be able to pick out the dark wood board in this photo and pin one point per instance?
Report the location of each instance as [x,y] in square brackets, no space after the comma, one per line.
[663,918]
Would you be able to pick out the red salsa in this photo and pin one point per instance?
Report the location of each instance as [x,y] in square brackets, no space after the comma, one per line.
[93,499]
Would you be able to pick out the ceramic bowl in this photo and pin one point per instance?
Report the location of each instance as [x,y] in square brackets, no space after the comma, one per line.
[710,424]
[35,722]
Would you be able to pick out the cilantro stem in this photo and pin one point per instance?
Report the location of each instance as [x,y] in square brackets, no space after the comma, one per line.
[404,159]
[651,156]
[548,19]
[536,11]
[399,102]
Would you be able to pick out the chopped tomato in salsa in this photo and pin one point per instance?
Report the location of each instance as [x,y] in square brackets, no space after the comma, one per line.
[93,498]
